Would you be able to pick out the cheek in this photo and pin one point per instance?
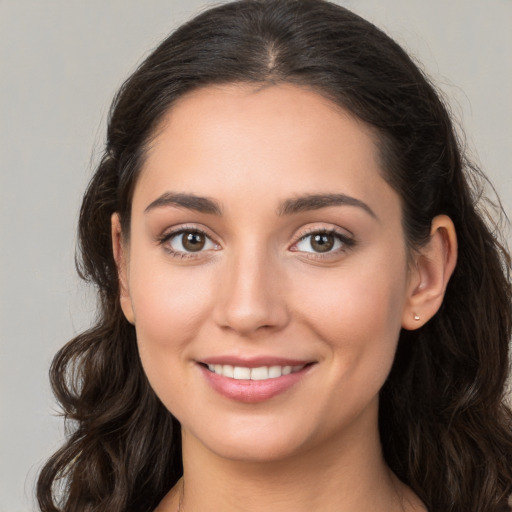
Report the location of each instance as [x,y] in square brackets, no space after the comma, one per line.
[360,299]
[357,313]
[170,305]
[168,300]
[358,323]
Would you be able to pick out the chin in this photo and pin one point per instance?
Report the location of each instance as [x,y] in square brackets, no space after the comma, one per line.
[256,450]
[262,441]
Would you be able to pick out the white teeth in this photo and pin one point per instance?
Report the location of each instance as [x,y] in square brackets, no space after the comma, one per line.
[275,371]
[241,373]
[228,371]
[260,373]
[287,370]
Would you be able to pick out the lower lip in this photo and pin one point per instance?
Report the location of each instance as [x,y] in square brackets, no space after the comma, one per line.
[252,391]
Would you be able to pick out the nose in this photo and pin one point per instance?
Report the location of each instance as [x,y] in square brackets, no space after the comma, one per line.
[251,298]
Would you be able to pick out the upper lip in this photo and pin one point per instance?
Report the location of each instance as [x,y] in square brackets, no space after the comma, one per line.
[254,362]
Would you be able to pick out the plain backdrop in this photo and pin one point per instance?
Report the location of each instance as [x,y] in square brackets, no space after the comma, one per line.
[61,62]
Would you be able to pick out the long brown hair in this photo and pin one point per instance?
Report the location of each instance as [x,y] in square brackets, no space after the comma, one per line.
[444,424]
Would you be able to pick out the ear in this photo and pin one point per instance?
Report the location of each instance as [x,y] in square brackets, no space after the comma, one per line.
[120,250]
[430,272]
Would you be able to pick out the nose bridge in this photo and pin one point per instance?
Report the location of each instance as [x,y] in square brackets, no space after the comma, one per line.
[250,291]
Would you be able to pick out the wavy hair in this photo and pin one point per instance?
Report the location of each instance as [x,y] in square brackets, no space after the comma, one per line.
[444,422]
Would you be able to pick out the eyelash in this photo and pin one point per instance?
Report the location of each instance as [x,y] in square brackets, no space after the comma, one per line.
[345,241]
[181,231]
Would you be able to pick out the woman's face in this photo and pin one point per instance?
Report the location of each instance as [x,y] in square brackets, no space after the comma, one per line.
[266,271]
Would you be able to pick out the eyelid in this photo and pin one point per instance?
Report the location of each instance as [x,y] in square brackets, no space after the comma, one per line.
[346,240]
[177,230]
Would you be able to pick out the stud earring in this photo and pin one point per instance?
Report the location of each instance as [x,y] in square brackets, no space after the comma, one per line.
[416,317]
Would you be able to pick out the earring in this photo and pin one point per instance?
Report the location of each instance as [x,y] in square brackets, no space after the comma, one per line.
[416,317]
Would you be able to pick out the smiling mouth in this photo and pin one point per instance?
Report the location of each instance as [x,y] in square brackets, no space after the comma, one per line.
[253,380]
[259,373]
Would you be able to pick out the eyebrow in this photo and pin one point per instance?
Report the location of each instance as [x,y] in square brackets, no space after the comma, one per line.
[317,201]
[289,207]
[189,201]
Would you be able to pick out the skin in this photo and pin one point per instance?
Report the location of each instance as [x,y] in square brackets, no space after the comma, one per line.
[259,288]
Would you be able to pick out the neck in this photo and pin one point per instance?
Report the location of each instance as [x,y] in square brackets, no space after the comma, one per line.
[340,475]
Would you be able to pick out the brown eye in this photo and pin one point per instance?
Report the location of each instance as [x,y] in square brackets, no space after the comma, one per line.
[193,242]
[322,242]
[189,241]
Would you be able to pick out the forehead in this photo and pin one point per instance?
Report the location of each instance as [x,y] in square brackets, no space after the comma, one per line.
[259,141]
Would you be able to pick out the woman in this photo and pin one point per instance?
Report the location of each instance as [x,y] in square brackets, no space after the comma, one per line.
[301,307]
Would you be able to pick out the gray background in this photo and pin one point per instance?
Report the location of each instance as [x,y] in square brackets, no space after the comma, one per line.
[61,62]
